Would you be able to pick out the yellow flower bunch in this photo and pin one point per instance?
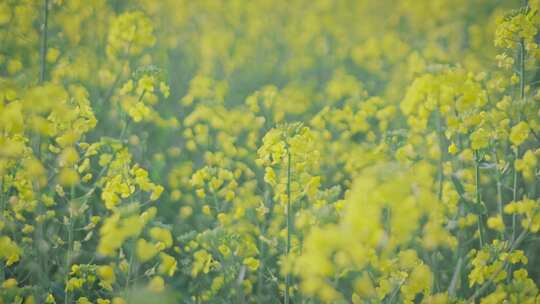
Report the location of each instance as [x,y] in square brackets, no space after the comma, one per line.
[291,150]
[116,229]
[216,182]
[376,219]
[518,27]
[138,97]
[130,33]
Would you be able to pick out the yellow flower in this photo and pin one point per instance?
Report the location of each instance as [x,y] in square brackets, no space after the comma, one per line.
[527,165]
[168,264]
[145,250]
[203,261]
[496,223]
[164,88]
[5,13]
[130,33]
[156,284]
[418,281]
[30,300]
[364,286]
[519,133]
[14,66]
[68,177]
[50,299]
[200,193]
[9,250]
[52,54]
[118,300]
[107,276]
[28,229]
[74,284]
[270,176]
[9,283]
[145,84]
[126,88]
[83,300]
[162,235]
[518,256]
[217,283]
[156,192]
[251,263]
[479,139]
[452,149]
[206,210]
[225,250]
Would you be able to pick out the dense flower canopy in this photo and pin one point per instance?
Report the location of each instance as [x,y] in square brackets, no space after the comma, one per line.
[235,151]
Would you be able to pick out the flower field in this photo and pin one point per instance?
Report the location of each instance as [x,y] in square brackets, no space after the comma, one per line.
[266,151]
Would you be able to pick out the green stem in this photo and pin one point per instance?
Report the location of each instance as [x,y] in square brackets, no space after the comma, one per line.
[522,54]
[514,194]
[289,228]
[442,149]
[129,272]
[499,192]
[478,200]
[67,298]
[455,278]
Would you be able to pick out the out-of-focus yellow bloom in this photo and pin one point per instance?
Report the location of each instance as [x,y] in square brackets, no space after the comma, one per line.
[130,33]
[252,263]
[496,223]
[9,283]
[168,264]
[107,276]
[519,133]
[156,284]
[145,250]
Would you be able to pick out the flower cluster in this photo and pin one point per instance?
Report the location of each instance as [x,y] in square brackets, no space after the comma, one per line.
[130,33]
[292,151]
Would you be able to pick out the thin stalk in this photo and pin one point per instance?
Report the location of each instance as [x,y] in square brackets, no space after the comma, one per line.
[455,278]
[499,191]
[262,244]
[260,271]
[440,181]
[67,298]
[43,50]
[440,176]
[127,287]
[499,185]
[216,202]
[453,287]
[478,200]
[239,280]
[499,196]
[289,227]
[514,194]
[522,53]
